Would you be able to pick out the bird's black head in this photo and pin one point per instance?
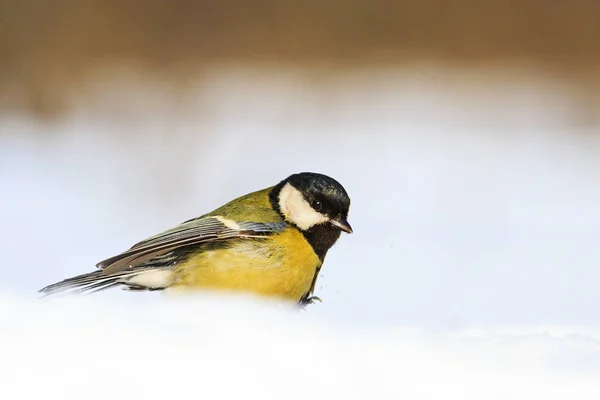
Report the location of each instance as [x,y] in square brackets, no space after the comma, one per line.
[316,204]
[308,199]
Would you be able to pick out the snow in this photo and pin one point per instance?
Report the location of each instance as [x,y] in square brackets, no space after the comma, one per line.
[239,348]
[472,271]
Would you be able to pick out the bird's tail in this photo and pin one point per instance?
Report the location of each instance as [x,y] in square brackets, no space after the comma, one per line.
[88,283]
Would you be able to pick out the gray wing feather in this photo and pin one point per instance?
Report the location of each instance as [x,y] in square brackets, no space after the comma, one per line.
[200,230]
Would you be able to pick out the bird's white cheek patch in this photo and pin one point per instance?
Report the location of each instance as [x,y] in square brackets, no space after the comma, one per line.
[297,210]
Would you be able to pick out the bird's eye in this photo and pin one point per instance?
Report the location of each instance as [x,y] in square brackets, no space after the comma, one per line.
[316,205]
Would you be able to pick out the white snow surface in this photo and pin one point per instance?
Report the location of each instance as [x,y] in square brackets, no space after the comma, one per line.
[238,348]
[473,271]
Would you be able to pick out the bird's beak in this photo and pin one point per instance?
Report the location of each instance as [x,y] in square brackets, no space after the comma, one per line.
[341,223]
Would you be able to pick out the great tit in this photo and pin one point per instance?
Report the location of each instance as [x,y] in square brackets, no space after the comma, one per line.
[271,242]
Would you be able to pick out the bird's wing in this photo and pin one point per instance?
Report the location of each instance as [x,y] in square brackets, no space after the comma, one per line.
[196,231]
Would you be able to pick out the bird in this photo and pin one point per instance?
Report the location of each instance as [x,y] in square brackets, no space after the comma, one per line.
[270,243]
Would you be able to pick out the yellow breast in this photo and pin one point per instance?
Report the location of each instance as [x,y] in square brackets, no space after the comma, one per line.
[283,266]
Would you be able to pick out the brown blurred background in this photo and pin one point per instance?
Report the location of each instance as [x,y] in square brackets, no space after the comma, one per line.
[49,46]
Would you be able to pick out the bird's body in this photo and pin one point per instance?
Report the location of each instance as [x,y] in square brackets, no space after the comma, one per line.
[284,267]
[271,242]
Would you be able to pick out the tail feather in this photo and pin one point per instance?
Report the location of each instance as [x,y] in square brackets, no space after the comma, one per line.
[98,287]
[86,283]
[135,279]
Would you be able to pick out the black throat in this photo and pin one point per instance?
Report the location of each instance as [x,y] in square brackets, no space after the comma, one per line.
[320,237]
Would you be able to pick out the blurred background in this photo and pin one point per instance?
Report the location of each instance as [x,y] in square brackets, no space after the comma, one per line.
[466,132]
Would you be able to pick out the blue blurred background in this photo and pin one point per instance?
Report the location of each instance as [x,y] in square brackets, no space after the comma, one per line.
[467,135]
